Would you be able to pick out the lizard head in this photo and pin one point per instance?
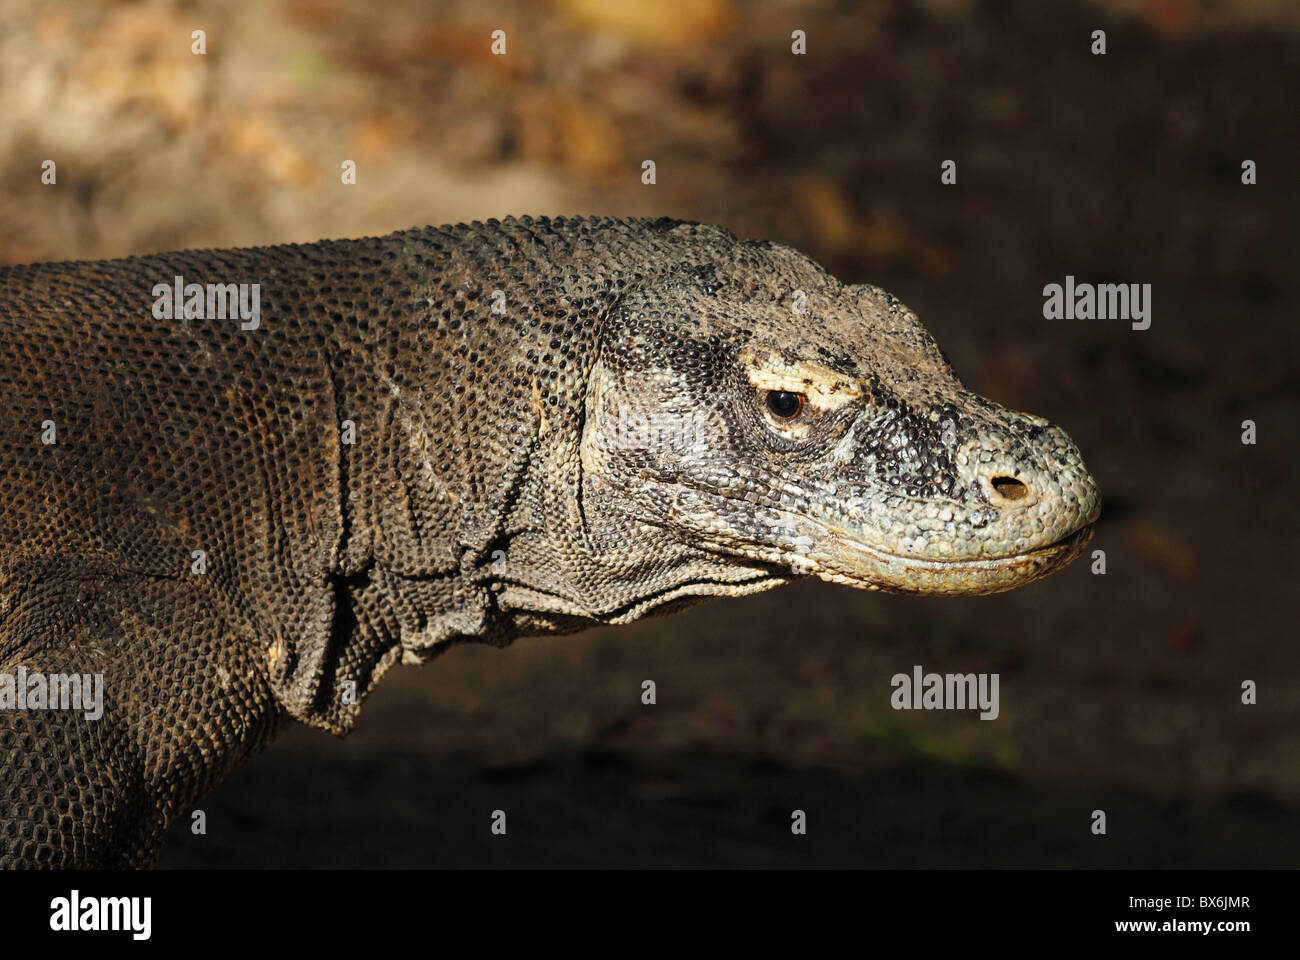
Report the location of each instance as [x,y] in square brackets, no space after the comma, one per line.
[758,414]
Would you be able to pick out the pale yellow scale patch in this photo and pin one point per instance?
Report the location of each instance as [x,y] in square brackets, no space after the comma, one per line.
[823,390]
[275,652]
[539,409]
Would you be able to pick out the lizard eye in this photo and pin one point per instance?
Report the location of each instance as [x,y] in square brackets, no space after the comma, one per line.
[785,405]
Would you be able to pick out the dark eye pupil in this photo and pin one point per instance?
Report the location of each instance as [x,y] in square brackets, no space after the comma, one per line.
[784,404]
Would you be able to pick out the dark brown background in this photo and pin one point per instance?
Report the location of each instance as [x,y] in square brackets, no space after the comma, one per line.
[1118,692]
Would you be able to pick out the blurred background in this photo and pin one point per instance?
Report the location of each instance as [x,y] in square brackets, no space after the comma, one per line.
[1118,692]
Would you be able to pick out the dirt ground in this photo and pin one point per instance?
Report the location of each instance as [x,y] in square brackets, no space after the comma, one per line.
[1119,692]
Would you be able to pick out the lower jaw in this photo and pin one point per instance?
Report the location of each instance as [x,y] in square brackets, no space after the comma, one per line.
[897,574]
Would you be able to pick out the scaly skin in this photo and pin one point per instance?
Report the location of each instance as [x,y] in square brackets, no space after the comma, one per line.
[653,413]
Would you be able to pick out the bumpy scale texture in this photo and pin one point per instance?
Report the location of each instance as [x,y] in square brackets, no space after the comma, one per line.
[554,423]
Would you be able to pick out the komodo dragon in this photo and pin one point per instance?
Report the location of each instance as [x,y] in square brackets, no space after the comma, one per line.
[476,432]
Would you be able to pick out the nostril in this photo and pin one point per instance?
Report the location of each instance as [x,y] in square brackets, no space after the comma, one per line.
[1009,488]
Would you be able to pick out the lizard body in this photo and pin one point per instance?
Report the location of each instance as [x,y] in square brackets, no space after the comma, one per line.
[477,433]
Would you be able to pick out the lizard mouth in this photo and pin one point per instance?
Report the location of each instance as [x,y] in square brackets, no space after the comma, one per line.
[853,563]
